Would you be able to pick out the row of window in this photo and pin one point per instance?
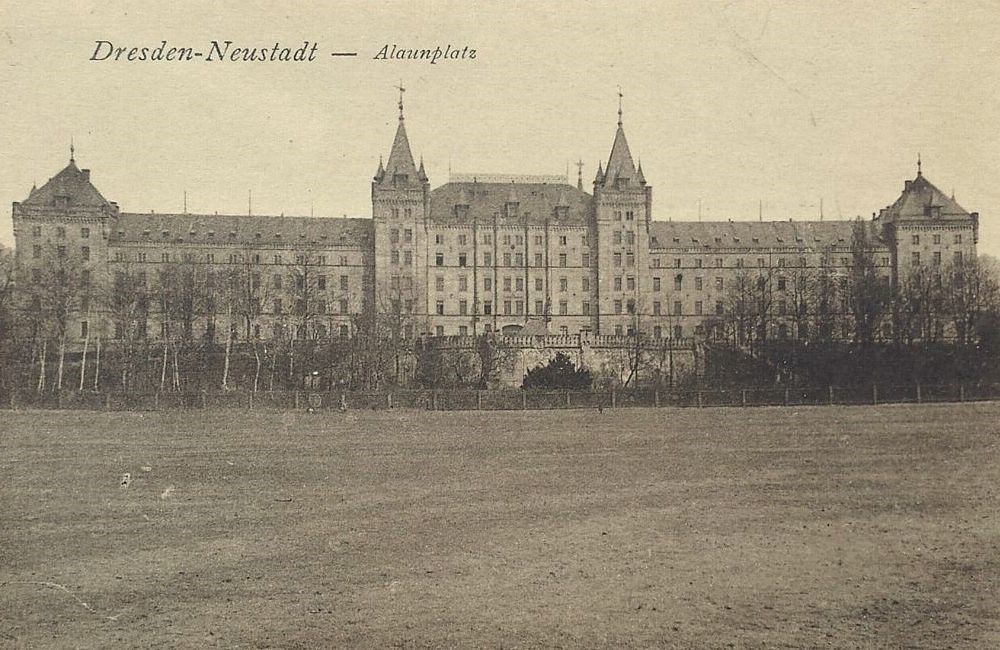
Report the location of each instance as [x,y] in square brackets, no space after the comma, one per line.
[406,236]
[936,239]
[36,231]
[232,258]
[935,258]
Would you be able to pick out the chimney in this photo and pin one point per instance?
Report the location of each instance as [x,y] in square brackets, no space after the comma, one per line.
[86,174]
[907,185]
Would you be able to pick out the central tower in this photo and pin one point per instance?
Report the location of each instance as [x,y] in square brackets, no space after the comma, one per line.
[622,212]
[400,200]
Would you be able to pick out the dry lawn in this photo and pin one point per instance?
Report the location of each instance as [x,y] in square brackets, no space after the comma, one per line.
[847,527]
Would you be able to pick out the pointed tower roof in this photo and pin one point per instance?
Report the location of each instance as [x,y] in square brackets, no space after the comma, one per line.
[620,163]
[599,177]
[400,157]
[71,185]
[921,199]
[639,175]
[421,174]
[380,174]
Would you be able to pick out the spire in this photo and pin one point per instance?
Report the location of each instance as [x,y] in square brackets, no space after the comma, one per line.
[620,163]
[599,178]
[72,150]
[380,174]
[919,165]
[639,176]
[401,91]
[421,174]
[579,174]
[400,167]
[620,106]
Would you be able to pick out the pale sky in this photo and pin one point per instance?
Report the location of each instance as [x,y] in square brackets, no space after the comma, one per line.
[728,104]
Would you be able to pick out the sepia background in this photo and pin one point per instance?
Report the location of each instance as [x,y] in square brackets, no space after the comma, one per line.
[734,107]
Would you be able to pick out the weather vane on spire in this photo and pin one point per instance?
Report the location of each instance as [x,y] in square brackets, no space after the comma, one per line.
[401,91]
[620,105]
[919,165]
[72,150]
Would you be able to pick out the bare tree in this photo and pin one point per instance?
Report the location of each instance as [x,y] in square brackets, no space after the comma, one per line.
[972,291]
[868,291]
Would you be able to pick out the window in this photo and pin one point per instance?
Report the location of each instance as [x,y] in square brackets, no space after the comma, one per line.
[488,307]
[519,259]
[538,284]
[586,308]
[394,235]
[937,258]
[165,257]
[720,284]
[958,239]
[343,283]
[585,284]
[657,332]
[656,262]
[698,284]
[563,307]
[60,231]
[407,258]
[585,240]
[344,331]
[210,258]
[36,231]
[519,284]
[321,282]
[630,283]
[618,284]
[394,283]
[915,258]
[439,259]
[439,330]
[343,307]
[36,251]
[562,259]
[488,284]
[463,283]
[958,257]
[506,283]
[539,308]
[506,307]
[618,237]
[937,239]
[630,260]
[656,308]
[463,307]
[439,283]
[487,238]
[487,259]
[407,236]
[506,259]
[439,239]
[277,306]
[678,282]
[782,307]
[463,240]
[586,259]
[320,306]
[461,259]
[563,284]
[276,280]
[84,233]
[678,308]
[719,308]
[61,252]
[629,215]
[760,262]
[463,330]
[277,259]
[538,240]
[697,308]
[916,240]
[782,283]
[781,262]
[618,259]
[677,263]
[656,284]
[394,257]
[618,306]
[538,259]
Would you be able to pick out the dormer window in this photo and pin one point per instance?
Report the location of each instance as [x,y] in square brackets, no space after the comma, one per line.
[400,179]
[511,209]
[165,234]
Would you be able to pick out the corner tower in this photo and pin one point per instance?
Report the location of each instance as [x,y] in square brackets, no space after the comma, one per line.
[400,194]
[622,212]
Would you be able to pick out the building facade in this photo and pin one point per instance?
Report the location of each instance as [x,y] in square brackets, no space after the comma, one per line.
[480,253]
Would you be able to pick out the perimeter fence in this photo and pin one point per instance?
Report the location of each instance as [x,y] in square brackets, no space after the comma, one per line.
[502,400]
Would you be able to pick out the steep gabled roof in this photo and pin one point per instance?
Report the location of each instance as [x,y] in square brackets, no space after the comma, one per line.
[400,161]
[536,202]
[70,186]
[921,199]
[711,235]
[620,163]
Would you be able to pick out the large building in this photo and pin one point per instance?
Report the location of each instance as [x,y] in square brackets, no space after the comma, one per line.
[511,254]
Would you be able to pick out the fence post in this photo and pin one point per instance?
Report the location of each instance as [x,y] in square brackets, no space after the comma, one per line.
[656,397]
[875,394]
[614,398]
[830,393]
[204,399]
[743,396]
[961,392]
[388,397]
[107,396]
[699,398]
[59,398]
[567,399]
[524,400]
[250,400]
[919,397]
[786,397]
[296,393]
[434,400]
[156,401]
[479,400]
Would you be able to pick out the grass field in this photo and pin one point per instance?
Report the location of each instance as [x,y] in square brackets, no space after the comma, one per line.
[848,527]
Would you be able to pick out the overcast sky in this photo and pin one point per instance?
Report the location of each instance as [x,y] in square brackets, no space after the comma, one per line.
[729,104]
